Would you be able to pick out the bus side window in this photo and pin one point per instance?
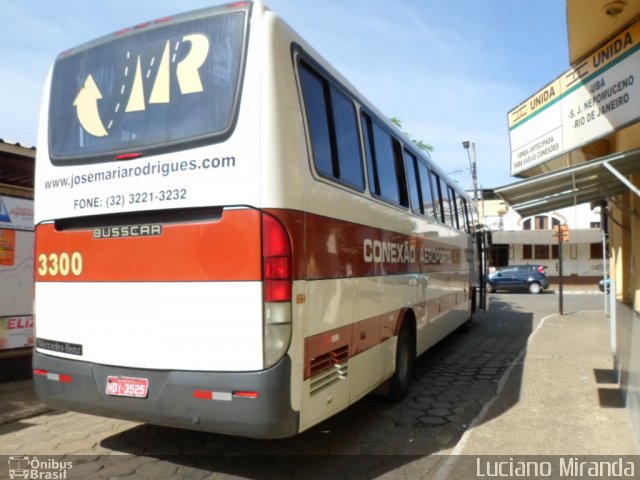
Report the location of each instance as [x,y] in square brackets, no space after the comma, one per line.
[333,127]
[387,179]
[446,203]
[428,202]
[466,216]
[437,197]
[463,224]
[415,195]
[318,120]
[347,140]
[453,202]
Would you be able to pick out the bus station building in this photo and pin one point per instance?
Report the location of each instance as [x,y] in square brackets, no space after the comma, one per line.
[576,141]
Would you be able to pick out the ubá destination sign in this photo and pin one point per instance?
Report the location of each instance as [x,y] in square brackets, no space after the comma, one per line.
[594,98]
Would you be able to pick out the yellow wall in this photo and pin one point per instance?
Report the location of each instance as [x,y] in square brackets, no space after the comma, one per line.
[634,263]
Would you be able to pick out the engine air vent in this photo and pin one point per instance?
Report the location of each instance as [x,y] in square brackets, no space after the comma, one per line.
[329,368]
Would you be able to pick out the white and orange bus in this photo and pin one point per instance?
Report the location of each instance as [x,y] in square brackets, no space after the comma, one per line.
[230,238]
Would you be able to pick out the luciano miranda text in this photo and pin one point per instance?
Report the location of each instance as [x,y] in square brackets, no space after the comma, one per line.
[563,467]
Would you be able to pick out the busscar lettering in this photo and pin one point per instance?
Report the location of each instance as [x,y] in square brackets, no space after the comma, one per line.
[128,231]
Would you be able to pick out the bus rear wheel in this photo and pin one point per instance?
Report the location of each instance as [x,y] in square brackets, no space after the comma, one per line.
[400,382]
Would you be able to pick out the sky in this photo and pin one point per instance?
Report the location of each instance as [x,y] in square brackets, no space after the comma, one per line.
[450,71]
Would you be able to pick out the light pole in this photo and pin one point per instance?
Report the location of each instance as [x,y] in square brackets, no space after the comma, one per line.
[474,173]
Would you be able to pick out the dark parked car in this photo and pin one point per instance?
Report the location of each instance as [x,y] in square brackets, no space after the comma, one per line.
[519,277]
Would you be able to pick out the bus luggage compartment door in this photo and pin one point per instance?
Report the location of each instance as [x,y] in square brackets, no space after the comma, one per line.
[176,290]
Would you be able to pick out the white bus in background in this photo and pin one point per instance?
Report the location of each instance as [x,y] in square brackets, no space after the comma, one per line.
[16,275]
[229,236]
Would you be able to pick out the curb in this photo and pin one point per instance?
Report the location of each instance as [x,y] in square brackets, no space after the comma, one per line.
[576,292]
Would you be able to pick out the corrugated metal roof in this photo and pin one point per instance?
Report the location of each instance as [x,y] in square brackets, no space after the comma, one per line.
[586,182]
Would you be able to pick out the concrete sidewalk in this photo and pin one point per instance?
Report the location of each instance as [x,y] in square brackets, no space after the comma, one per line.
[560,398]
[567,399]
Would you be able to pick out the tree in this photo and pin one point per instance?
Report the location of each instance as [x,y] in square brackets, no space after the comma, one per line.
[418,143]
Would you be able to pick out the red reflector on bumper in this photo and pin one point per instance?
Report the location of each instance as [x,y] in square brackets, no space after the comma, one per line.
[57,377]
[223,396]
[246,394]
[203,394]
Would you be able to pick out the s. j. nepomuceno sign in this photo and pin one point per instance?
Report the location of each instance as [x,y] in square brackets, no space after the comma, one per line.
[593,98]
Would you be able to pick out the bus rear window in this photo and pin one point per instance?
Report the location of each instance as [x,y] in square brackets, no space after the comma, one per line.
[152,89]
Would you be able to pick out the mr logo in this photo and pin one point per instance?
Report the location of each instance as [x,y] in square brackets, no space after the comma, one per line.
[4,213]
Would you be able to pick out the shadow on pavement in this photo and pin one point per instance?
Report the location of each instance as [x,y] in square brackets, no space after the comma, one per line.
[452,383]
[15,369]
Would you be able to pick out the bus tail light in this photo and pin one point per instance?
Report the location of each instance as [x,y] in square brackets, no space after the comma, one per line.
[276,252]
[278,284]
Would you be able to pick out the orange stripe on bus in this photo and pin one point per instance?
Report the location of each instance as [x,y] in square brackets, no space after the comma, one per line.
[325,247]
[228,249]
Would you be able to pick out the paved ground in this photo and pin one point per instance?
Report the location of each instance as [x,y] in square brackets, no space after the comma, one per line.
[494,379]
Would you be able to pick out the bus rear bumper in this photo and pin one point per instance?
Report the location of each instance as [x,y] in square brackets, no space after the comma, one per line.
[172,399]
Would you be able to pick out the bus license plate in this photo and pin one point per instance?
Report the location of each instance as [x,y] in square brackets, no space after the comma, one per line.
[127,387]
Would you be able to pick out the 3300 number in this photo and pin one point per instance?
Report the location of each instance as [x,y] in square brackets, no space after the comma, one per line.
[60,264]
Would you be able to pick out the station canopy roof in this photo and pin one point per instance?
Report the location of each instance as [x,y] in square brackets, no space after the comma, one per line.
[587,182]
